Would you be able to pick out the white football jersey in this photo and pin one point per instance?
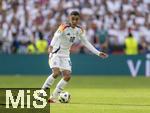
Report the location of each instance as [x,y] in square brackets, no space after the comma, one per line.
[65,36]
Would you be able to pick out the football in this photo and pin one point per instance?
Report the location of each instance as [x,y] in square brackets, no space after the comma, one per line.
[64,97]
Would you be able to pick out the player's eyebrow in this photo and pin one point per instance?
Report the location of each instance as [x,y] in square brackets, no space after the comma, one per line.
[76,18]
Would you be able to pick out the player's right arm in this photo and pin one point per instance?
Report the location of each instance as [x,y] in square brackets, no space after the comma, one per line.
[55,42]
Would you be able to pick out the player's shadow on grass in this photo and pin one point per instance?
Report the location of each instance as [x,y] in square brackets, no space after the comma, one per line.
[111,104]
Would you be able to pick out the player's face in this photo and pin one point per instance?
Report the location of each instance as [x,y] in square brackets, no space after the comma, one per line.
[74,20]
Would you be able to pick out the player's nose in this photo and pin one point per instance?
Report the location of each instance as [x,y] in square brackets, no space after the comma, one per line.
[74,22]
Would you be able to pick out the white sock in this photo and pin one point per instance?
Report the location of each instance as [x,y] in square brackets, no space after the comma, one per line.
[59,88]
[50,80]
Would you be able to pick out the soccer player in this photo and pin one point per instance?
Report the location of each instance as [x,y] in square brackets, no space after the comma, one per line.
[59,53]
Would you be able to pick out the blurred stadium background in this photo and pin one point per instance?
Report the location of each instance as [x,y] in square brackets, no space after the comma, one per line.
[23,23]
[119,27]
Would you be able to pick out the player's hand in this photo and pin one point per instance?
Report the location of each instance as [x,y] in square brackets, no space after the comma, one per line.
[50,48]
[103,55]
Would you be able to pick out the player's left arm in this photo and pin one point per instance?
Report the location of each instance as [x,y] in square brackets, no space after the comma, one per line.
[87,44]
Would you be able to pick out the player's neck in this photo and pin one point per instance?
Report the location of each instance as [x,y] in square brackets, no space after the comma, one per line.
[72,26]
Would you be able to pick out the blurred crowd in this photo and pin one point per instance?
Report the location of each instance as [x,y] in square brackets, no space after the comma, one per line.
[27,26]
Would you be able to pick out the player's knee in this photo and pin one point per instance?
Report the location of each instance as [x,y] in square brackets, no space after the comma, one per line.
[56,73]
[67,76]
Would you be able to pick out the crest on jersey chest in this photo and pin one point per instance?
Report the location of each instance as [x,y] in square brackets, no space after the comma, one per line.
[68,34]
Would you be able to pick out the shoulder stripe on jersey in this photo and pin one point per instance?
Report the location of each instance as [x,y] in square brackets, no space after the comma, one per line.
[62,27]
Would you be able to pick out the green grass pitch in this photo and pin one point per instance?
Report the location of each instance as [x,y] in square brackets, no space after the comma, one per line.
[94,94]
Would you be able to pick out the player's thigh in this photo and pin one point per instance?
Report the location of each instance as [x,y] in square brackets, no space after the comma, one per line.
[56,71]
